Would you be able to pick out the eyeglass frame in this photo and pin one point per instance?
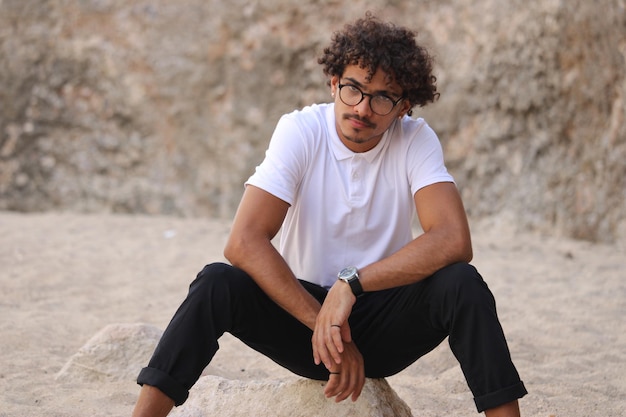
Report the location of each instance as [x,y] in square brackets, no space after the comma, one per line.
[371,96]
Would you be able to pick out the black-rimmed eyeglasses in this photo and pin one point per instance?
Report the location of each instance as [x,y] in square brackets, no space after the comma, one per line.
[382,105]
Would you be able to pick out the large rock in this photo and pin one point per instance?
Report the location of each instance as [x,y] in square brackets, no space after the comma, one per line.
[115,353]
[164,107]
[215,396]
[119,351]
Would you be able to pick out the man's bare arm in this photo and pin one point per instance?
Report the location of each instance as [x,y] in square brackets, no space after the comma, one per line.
[258,219]
[446,240]
[249,247]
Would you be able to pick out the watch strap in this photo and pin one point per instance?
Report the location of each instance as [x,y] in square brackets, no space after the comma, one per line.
[355,286]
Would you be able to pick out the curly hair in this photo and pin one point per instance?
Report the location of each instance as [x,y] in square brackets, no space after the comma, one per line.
[374,45]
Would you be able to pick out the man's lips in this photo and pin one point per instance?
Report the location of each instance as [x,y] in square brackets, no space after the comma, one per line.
[357,122]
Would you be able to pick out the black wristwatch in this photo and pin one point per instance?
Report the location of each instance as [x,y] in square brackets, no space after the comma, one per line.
[350,275]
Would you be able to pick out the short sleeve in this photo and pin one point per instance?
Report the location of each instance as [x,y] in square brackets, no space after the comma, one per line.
[282,169]
[425,161]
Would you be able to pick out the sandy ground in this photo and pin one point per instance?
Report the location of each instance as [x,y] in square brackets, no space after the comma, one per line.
[65,277]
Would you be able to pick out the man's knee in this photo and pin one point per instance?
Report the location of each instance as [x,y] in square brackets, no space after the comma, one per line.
[457,273]
[220,279]
[462,281]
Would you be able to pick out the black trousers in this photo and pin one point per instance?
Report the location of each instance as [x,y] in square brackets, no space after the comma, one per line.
[391,329]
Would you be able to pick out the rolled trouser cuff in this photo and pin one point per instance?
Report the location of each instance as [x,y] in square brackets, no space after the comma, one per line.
[165,383]
[498,398]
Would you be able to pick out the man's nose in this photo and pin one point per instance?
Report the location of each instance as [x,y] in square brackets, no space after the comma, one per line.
[364,107]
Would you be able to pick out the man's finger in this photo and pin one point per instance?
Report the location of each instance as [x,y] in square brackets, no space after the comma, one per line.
[324,350]
[334,380]
[316,356]
[359,383]
[347,384]
[336,334]
[333,354]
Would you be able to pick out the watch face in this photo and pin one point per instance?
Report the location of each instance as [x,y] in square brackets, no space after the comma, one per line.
[347,273]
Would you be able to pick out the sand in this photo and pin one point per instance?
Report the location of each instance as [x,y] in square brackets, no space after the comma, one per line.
[64,277]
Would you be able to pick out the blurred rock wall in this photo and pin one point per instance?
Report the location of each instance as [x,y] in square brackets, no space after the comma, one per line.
[161,107]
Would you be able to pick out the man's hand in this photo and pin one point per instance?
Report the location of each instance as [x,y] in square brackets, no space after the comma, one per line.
[331,325]
[332,345]
[346,379]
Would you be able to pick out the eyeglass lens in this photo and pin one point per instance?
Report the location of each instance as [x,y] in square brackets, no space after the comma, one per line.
[352,95]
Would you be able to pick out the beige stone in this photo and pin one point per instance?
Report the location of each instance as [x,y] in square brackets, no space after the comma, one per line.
[287,397]
[115,353]
[119,351]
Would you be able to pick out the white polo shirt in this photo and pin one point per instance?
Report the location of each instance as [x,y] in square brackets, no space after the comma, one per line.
[347,208]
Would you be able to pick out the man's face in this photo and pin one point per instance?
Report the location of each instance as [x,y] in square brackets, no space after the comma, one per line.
[358,126]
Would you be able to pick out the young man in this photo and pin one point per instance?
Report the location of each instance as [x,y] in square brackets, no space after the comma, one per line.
[349,293]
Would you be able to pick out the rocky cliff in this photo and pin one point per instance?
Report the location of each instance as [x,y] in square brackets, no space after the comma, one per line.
[160,107]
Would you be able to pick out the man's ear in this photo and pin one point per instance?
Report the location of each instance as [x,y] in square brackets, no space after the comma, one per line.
[406,108]
[334,85]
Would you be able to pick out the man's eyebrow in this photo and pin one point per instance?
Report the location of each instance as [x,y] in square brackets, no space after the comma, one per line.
[379,92]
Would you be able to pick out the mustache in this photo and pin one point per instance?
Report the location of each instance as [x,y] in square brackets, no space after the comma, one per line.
[358,118]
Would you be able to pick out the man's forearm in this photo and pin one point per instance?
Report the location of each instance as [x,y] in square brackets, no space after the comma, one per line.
[270,271]
[446,240]
[417,260]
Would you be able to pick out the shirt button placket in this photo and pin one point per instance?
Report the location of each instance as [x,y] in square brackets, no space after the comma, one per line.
[357,179]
